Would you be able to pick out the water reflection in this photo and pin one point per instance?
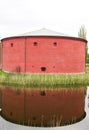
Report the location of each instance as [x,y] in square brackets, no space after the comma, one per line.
[88,100]
[45,108]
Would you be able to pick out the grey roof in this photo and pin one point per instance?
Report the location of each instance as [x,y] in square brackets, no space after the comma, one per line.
[43,32]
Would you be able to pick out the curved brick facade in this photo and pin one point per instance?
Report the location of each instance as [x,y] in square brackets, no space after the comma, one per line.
[43,54]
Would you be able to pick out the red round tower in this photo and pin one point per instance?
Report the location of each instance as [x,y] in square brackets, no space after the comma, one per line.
[43,51]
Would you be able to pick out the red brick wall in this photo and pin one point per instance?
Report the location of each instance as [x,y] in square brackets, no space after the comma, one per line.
[13,54]
[67,55]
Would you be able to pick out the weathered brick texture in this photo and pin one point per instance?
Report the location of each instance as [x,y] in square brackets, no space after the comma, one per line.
[43,54]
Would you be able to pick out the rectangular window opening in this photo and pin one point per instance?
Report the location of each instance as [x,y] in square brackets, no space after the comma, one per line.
[11,44]
[43,69]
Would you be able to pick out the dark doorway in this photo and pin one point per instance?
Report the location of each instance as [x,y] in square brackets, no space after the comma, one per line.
[43,69]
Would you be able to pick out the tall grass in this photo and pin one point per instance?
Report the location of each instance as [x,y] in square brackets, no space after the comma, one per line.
[43,80]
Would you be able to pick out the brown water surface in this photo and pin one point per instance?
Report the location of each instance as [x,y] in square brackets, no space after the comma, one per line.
[43,107]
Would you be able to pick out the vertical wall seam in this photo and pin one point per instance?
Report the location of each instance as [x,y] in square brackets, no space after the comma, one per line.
[25,55]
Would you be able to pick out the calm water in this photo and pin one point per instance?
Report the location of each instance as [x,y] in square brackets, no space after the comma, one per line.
[82,125]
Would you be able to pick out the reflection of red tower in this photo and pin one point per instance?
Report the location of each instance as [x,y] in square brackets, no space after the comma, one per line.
[13,104]
[43,51]
[0,55]
[43,108]
[0,98]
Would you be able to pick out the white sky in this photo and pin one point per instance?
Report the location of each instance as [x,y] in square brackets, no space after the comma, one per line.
[65,16]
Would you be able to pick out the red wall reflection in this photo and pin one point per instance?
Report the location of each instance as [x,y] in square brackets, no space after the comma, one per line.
[43,108]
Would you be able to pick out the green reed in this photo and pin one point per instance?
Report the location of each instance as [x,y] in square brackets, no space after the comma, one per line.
[43,80]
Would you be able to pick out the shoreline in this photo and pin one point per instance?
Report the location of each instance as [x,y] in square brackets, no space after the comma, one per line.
[44,80]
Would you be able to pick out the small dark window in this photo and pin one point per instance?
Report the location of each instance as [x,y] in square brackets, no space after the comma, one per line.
[43,69]
[55,43]
[11,113]
[35,43]
[11,44]
[34,118]
[18,91]
[43,93]
[18,69]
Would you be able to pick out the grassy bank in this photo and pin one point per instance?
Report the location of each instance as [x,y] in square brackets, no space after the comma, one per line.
[87,67]
[43,81]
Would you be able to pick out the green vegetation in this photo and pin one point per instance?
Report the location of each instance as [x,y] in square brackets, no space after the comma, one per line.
[83,34]
[43,80]
[87,59]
